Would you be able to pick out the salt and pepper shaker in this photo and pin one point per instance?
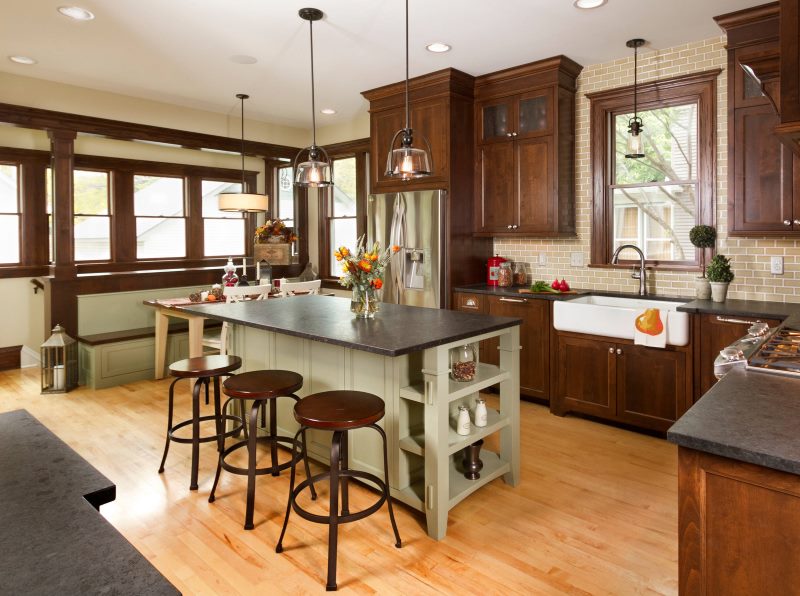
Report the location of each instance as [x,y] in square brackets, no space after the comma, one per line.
[480,412]
[463,424]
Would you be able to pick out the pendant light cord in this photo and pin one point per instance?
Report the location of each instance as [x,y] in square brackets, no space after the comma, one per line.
[408,112]
[243,187]
[313,102]
[635,80]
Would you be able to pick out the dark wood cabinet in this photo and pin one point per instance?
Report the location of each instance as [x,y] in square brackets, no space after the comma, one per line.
[789,128]
[714,333]
[478,303]
[534,336]
[738,527]
[524,136]
[763,172]
[617,380]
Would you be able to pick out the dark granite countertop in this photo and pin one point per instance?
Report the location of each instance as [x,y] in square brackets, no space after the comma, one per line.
[747,416]
[396,330]
[743,308]
[53,541]
[514,291]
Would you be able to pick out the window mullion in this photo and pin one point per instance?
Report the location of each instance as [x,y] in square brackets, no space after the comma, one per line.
[194,217]
[123,234]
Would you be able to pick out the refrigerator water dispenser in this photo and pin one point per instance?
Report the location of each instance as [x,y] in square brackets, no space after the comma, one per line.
[414,267]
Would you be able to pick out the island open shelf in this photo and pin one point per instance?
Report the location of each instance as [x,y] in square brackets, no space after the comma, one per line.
[403,357]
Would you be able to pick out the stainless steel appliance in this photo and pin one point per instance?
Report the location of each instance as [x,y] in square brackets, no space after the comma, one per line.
[413,221]
[774,351]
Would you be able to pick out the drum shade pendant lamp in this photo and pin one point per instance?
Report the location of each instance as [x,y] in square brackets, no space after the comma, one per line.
[315,171]
[242,201]
[407,161]
[635,148]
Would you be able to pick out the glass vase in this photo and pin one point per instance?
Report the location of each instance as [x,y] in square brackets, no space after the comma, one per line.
[364,303]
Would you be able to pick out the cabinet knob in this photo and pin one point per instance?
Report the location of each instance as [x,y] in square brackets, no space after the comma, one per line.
[610,350]
[509,226]
[787,222]
[514,227]
[513,134]
[509,134]
[619,351]
[797,222]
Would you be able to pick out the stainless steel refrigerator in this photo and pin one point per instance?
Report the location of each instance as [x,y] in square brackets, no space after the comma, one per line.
[414,222]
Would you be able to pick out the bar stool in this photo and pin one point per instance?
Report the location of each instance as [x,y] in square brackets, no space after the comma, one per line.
[262,387]
[201,368]
[340,412]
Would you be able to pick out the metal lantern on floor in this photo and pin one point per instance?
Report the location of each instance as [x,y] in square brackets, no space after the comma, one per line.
[59,356]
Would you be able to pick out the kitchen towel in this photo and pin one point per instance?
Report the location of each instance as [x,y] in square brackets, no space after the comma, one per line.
[650,328]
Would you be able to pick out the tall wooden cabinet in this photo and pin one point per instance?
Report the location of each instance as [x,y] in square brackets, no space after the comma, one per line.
[525,149]
[763,172]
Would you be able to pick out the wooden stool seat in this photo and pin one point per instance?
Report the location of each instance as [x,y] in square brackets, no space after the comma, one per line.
[204,366]
[262,384]
[339,410]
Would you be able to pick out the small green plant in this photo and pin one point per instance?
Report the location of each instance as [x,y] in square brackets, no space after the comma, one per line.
[703,237]
[719,269]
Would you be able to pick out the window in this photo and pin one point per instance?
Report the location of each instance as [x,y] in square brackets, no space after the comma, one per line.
[342,223]
[653,202]
[158,205]
[9,213]
[223,231]
[91,222]
[285,191]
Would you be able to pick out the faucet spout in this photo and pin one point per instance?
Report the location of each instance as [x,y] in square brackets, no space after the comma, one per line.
[642,271]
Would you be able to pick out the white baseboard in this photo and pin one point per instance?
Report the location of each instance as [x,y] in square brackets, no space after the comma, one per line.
[29,358]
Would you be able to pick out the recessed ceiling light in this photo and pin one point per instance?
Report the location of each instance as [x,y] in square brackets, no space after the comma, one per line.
[243,59]
[437,47]
[328,111]
[76,12]
[589,3]
[22,60]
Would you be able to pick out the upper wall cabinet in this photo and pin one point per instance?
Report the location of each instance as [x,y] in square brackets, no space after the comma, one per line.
[441,111]
[789,128]
[525,150]
[763,172]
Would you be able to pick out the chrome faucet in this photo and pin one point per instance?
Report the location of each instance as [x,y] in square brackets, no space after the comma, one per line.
[641,275]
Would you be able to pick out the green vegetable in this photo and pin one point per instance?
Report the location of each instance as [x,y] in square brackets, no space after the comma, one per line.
[543,286]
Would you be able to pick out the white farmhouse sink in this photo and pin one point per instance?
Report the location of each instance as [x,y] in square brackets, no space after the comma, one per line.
[610,316]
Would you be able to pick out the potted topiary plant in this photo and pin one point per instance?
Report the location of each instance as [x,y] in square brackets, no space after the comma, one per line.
[702,237]
[720,275]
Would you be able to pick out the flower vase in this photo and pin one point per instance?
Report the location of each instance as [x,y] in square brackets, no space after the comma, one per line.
[275,239]
[364,303]
[472,462]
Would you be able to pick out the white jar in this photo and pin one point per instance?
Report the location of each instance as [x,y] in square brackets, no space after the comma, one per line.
[463,423]
[481,416]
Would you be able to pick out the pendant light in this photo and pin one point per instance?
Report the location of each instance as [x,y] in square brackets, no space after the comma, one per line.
[244,202]
[635,148]
[406,161]
[315,171]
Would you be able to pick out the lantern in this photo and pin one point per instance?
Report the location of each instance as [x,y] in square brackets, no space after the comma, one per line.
[59,362]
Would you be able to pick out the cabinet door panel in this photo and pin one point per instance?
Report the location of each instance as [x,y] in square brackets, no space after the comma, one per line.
[534,337]
[651,385]
[534,114]
[496,171]
[429,119]
[494,121]
[586,377]
[762,173]
[535,192]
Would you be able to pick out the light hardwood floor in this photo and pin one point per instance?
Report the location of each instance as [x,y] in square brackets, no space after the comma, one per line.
[595,513]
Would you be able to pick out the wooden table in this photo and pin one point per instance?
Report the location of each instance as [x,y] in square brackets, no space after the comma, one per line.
[164,310]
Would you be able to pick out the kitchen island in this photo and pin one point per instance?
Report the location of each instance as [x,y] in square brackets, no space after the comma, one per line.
[402,356]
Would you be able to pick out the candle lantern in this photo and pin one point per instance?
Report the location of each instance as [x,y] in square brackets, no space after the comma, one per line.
[59,356]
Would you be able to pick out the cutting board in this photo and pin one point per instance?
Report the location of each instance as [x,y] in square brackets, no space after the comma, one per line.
[529,291]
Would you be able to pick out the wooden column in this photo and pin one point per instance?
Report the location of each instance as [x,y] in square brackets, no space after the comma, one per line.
[62,148]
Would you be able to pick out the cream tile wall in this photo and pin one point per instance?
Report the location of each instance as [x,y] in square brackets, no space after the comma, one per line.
[750,255]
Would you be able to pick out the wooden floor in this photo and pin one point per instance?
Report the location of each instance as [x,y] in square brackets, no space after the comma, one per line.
[595,513]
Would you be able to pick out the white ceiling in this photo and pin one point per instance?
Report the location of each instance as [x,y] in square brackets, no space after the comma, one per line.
[178,51]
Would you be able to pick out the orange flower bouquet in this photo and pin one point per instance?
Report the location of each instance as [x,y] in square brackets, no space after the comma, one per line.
[363,270]
[274,230]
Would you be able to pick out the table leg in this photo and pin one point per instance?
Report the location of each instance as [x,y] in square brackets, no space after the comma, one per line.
[195,336]
[161,343]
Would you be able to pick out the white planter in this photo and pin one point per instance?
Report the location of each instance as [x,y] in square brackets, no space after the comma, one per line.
[702,288]
[719,289]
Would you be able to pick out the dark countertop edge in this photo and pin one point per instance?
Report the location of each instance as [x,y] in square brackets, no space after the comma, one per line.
[743,308]
[510,322]
[513,292]
[733,452]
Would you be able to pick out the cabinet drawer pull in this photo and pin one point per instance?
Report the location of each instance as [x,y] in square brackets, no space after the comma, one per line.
[787,222]
[471,302]
[619,351]
[737,321]
[517,300]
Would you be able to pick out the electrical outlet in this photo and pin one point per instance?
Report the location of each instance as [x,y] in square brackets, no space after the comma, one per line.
[543,258]
[576,259]
[776,265]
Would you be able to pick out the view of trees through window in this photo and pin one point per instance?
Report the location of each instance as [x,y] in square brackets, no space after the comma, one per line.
[9,213]
[655,197]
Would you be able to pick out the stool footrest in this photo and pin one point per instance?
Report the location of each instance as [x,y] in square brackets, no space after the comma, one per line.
[206,439]
[259,471]
[342,519]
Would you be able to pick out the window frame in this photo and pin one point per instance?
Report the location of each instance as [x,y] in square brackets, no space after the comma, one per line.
[18,213]
[241,217]
[186,217]
[699,88]
[108,215]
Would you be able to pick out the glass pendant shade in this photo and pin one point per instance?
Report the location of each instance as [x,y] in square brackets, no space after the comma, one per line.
[313,173]
[244,202]
[635,142]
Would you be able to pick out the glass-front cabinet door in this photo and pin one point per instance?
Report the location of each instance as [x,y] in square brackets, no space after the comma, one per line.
[496,120]
[534,114]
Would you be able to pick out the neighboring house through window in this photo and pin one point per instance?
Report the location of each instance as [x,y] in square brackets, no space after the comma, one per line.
[9,213]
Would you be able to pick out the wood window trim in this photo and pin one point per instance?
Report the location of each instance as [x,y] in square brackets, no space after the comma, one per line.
[359,149]
[700,87]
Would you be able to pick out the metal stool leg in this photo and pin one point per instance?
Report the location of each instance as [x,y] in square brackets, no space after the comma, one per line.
[333,528]
[273,432]
[195,432]
[308,469]
[206,384]
[251,465]
[169,424]
[279,546]
[343,459]
[398,542]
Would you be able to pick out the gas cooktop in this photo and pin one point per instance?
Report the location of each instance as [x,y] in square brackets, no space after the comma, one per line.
[780,353]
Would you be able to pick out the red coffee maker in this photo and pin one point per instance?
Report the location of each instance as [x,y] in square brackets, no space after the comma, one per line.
[493,268]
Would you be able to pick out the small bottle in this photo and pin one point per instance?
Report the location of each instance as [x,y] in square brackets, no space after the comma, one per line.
[264,272]
[463,424]
[229,278]
[504,275]
[243,276]
[481,416]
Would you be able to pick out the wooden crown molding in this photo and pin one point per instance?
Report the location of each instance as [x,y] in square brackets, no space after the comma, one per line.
[654,87]
[440,82]
[747,16]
